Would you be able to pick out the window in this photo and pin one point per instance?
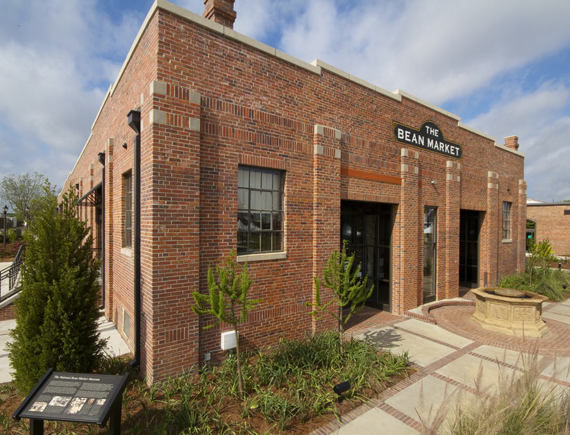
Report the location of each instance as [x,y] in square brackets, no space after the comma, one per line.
[260,210]
[128,210]
[506,220]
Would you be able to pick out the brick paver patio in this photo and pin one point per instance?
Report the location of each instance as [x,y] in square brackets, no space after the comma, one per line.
[449,350]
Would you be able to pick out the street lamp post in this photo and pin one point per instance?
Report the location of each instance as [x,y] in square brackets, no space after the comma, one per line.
[5,214]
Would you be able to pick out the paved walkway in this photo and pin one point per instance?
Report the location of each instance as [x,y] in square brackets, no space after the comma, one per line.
[456,360]
[115,344]
[4,284]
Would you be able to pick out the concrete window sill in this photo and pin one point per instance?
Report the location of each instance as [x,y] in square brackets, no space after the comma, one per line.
[262,257]
[128,252]
[507,240]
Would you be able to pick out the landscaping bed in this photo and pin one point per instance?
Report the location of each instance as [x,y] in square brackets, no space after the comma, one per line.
[288,389]
[10,252]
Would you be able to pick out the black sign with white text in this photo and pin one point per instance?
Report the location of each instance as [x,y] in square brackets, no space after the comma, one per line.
[79,397]
[428,137]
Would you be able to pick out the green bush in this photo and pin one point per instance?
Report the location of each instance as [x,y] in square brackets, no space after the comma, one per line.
[553,284]
[56,323]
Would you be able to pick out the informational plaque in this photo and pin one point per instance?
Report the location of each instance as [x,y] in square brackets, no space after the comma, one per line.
[77,397]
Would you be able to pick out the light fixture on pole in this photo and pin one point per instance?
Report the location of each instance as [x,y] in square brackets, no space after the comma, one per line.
[5,216]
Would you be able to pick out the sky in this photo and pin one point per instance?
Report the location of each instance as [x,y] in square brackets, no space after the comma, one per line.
[502,66]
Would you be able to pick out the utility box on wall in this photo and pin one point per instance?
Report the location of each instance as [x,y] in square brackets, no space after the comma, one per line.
[228,340]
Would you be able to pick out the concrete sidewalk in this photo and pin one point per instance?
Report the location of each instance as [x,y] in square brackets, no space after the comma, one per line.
[449,367]
[115,344]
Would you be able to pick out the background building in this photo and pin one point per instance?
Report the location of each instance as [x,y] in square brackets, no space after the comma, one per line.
[550,220]
[245,147]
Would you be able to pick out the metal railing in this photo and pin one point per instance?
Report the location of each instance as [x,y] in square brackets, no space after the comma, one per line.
[11,275]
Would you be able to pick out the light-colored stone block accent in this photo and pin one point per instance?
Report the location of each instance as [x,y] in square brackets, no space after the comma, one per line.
[319,150]
[449,177]
[459,166]
[260,257]
[110,142]
[319,129]
[404,167]
[195,98]
[91,178]
[157,87]
[416,170]
[110,158]
[297,62]
[91,166]
[328,67]
[157,117]
[416,155]
[449,164]
[521,181]
[489,174]
[459,179]
[337,134]
[404,152]
[194,124]
[337,154]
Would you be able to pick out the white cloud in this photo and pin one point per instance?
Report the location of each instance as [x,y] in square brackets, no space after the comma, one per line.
[541,122]
[438,49]
[56,61]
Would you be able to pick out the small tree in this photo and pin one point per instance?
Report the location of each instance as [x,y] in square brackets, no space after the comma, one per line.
[541,255]
[347,287]
[56,323]
[227,286]
[24,193]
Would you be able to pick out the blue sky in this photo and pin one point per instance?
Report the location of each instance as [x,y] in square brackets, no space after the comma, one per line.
[502,66]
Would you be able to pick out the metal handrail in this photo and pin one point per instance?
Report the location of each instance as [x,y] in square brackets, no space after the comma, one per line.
[12,274]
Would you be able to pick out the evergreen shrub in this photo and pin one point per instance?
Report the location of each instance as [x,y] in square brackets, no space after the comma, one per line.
[56,313]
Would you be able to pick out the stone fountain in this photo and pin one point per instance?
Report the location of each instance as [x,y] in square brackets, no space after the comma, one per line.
[510,311]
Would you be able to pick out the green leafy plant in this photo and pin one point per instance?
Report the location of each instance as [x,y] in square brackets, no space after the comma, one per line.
[541,256]
[227,300]
[349,290]
[56,322]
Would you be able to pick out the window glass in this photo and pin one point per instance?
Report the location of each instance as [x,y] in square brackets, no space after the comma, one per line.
[506,220]
[127,210]
[260,210]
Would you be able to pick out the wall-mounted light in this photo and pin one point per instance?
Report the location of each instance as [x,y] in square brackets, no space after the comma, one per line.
[101,157]
[125,145]
[77,186]
[432,182]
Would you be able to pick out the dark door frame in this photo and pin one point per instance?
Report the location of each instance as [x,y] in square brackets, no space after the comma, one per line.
[480,217]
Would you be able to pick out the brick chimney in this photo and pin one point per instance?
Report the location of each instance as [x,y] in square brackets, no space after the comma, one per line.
[220,11]
[512,142]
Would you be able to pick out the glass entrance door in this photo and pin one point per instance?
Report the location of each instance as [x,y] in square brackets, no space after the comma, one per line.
[430,250]
[470,222]
[368,229]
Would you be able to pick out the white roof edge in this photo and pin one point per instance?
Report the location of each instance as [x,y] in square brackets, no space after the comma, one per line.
[504,148]
[473,130]
[77,161]
[145,23]
[355,79]
[425,103]
[102,104]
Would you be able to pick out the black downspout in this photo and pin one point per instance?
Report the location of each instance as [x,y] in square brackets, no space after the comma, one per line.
[102,161]
[134,117]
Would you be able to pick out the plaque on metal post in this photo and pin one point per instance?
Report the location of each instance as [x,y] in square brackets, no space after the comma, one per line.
[75,397]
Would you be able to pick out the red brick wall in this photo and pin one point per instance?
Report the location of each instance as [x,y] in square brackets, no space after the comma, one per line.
[219,103]
[552,224]
[8,312]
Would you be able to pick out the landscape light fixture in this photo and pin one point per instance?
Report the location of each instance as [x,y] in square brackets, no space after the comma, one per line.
[5,215]
[77,186]
[343,387]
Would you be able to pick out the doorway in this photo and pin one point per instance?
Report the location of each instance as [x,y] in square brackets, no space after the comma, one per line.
[470,228]
[368,229]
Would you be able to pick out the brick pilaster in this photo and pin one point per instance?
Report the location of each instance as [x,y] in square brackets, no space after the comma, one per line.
[452,226]
[170,195]
[408,291]
[326,207]
[520,237]
[491,232]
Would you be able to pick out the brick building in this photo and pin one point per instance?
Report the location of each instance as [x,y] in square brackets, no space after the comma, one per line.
[550,220]
[245,147]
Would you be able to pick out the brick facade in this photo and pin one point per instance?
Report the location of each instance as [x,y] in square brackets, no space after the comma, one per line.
[553,224]
[211,100]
